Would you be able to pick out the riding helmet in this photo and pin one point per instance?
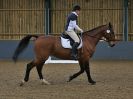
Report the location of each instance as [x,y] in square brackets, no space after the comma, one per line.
[76,7]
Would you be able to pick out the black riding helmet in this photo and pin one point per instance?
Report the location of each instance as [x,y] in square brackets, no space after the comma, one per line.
[76,7]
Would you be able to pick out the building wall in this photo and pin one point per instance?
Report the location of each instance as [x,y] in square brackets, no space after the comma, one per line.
[130,16]
[21,17]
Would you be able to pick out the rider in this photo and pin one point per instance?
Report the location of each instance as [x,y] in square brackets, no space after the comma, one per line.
[70,28]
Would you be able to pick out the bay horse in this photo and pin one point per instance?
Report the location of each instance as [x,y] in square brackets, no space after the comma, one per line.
[45,46]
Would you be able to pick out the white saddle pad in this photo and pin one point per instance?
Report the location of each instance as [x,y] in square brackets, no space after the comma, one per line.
[66,43]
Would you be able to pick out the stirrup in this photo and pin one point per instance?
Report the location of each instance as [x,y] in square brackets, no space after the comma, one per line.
[74,57]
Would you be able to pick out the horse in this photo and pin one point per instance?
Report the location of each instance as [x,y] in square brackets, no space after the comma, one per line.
[45,46]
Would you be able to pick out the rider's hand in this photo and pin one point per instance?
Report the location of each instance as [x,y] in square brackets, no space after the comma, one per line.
[81,30]
[78,28]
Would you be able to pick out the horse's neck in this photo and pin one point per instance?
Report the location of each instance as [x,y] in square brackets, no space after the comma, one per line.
[100,33]
[96,34]
[92,37]
[100,30]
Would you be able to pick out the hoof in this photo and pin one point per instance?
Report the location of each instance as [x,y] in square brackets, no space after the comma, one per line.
[92,82]
[70,78]
[22,83]
[44,82]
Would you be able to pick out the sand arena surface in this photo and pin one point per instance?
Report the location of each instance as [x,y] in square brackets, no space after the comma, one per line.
[114,81]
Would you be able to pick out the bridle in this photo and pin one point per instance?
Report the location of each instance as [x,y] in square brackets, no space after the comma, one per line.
[104,39]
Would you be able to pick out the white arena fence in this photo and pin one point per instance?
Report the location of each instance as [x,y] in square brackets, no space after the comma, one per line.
[49,60]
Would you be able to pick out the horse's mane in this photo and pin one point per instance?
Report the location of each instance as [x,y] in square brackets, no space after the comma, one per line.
[93,31]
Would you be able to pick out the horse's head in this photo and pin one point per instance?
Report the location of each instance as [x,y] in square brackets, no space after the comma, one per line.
[109,35]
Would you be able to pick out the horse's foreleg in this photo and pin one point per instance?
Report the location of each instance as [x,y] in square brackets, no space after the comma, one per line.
[87,69]
[75,75]
[39,70]
[78,73]
[28,69]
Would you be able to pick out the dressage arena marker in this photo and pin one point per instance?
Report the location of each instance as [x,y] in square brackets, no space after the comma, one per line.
[59,61]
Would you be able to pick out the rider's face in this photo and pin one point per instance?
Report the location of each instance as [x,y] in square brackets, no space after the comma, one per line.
[77,11]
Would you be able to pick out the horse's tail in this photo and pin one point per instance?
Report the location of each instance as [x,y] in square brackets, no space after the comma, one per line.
[21,46]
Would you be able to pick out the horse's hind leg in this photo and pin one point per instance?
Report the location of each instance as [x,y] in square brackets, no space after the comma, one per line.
[78,73]
[28,69]
[39,70]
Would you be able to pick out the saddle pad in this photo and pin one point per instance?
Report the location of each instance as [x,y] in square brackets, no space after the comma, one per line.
[66,43]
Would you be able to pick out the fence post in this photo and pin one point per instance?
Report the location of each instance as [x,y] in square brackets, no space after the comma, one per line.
[47,16]
[125,26]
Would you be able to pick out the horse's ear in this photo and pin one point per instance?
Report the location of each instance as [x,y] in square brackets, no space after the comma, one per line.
[110,25]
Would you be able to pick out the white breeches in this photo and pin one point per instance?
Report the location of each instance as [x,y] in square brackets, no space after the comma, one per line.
[73,35]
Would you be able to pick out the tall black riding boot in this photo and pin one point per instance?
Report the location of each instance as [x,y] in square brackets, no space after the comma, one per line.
[74,55]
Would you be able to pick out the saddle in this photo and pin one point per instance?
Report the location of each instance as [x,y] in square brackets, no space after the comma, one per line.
[67,41]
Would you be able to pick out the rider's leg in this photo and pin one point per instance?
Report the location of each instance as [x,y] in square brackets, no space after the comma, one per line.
[74,51]
[74,36]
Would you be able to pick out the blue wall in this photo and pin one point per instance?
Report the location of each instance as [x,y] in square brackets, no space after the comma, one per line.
[122,50]
[7,48]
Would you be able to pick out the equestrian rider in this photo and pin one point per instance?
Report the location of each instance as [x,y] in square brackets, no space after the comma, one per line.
[70,28]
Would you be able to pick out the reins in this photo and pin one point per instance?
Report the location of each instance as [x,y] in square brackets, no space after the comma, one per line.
[97,37]
[93,36]
[100,38]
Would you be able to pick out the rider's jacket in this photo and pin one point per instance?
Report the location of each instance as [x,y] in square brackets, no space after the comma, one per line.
[72,22]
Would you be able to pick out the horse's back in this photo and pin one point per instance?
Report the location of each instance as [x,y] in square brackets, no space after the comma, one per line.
[45,39]
[45,44]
